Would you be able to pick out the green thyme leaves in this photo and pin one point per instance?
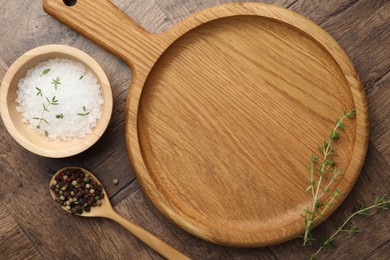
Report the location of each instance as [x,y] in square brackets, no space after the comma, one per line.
[45,72]
[60,116]
[323,174]
[56,82]
[39,93]
[85,112]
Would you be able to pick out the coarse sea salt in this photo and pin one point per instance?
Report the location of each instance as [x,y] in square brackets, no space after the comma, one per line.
[60,99]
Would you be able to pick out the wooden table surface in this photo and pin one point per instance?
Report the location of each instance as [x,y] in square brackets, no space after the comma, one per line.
[33,227]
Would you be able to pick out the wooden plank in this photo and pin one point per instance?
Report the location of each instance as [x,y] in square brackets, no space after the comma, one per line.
[320,11]
[366,241]
[381,253]
[379,112]
[14,244]
[196,6]
[125,192]
[3,69]
[364,37]
[177,11]
[146,13]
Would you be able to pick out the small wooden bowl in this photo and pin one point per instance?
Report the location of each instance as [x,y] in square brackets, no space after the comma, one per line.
[22,132]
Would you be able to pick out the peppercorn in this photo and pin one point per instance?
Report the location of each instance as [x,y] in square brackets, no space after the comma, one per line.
[76,191]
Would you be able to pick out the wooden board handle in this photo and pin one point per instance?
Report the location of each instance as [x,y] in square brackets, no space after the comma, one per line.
[102,22]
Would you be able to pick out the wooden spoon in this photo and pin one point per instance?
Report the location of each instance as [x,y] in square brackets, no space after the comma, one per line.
[107,211]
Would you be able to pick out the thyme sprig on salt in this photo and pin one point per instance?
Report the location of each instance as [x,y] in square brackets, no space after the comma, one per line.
[41,119]
[39,93]
[60,116]
[85,113]
[323,174]
[74,86]
[56,82]
[45,72]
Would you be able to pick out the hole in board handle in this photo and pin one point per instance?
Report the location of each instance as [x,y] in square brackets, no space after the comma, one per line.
[70,2]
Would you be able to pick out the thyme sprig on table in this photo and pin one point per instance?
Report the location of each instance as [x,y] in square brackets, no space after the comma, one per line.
[323,173]
[379,203]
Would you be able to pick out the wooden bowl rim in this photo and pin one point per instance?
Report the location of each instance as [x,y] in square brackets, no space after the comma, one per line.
[80,145]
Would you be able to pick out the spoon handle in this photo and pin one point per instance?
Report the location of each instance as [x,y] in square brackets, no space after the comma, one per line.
[157,244]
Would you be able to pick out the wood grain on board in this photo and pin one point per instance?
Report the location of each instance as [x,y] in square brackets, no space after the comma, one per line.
[222,108]
[361,27]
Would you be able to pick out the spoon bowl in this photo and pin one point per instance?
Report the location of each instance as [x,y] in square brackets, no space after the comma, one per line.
[106,210]
[96,211]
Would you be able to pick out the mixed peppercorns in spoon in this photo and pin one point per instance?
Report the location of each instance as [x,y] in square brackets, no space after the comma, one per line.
[76,190]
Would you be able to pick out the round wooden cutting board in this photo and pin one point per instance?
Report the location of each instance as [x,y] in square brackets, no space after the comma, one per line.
[225,111]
